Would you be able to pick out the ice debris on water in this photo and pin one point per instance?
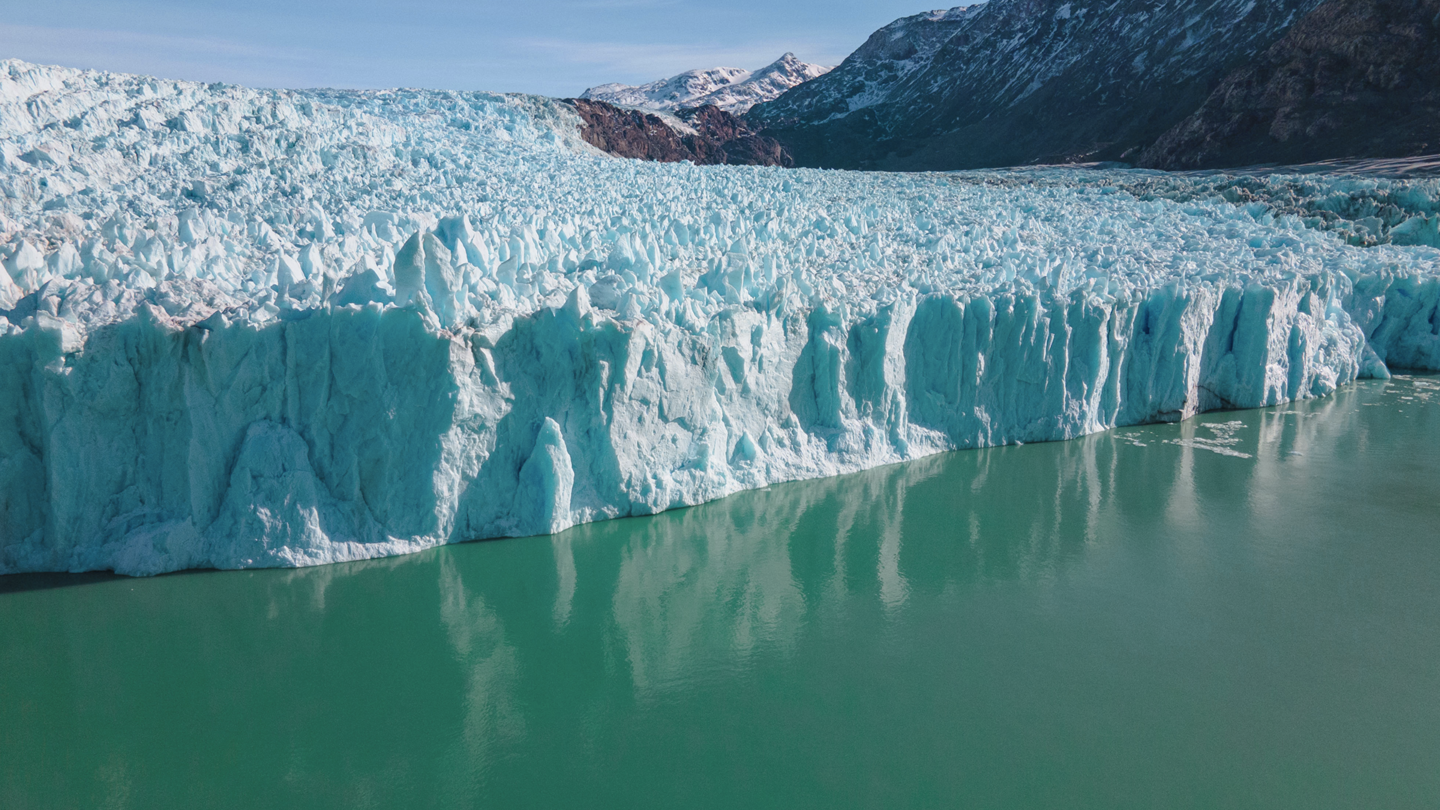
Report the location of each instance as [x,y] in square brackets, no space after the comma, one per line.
[1222,439]
[273,328]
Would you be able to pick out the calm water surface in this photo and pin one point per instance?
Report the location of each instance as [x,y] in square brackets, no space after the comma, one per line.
[1241,611]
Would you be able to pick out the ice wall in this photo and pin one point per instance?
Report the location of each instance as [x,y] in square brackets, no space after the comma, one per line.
[244,328]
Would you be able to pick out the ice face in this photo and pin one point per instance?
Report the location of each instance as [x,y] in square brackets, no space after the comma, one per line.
[270,328]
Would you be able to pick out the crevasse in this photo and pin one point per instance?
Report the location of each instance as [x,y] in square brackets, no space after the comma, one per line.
[246,328]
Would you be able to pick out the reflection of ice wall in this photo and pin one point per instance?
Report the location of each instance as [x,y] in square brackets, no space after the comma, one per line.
[222,347]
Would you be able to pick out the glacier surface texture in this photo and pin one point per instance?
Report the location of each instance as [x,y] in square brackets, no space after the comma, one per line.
[271,328]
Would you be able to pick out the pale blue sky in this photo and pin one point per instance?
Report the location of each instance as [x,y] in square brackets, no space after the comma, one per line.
[554,47]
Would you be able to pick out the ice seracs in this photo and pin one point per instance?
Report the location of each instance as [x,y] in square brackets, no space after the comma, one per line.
[273,328]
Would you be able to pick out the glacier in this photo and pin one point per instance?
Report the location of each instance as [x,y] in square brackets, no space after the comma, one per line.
[245,328]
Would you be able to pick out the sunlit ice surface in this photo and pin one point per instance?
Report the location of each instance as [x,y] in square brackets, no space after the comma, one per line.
[244,328]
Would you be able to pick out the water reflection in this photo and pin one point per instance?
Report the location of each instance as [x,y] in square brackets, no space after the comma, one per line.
[718,582]
[490,663]
[564,665]
[564,579]
[707,581]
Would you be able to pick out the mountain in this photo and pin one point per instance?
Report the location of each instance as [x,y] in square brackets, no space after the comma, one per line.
[891,55]
[1023,81]
[731,89]
[1355,79]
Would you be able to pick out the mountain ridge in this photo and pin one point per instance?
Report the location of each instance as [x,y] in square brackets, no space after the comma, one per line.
[733,90]
[1012,82]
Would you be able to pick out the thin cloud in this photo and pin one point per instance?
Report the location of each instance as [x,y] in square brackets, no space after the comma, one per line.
[177,57]
[209,59]
[616,5]
[491,60]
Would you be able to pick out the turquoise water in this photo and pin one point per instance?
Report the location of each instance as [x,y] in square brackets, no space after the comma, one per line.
[1240,611]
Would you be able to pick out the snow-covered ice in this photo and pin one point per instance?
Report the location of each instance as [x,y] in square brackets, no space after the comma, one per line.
[268,328]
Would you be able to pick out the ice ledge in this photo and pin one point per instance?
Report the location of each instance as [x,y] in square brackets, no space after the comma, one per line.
[151,444]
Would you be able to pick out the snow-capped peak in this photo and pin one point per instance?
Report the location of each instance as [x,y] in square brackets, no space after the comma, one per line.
[731,89]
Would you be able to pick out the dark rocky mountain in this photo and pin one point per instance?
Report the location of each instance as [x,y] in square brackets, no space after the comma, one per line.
[714,136]
[1355,78]
[1014,82]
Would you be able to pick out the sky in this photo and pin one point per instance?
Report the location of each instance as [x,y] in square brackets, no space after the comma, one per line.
[551,47]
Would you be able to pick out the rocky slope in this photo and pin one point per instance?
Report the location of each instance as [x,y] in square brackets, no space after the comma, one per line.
[868,76]
[1023,81]
[731,89]
[705,136]
[1355,78]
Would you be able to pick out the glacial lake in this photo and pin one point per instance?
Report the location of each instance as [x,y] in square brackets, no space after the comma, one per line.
[1242,611]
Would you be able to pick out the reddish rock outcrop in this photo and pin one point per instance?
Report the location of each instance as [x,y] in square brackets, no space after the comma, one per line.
[718,136]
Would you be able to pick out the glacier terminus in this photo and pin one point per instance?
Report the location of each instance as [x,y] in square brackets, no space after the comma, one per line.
[245,328]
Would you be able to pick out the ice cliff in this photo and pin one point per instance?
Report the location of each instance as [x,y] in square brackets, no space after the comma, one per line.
[271,328]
